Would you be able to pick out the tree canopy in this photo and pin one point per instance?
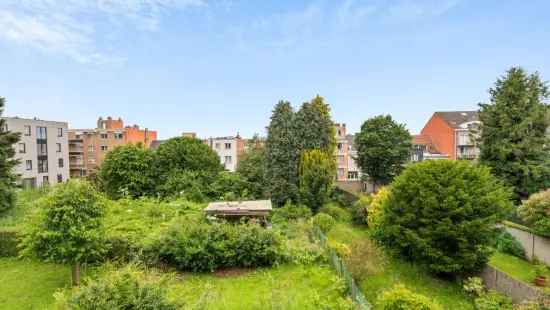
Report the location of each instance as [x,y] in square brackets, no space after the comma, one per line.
[383,147]
[514,139]
[7,163]
[252,168]
[317,174]
[314,127]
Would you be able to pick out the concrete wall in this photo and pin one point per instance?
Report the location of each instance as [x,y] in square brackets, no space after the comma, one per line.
[503,283]
[534,246]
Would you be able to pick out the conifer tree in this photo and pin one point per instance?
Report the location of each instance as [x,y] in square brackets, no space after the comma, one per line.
[314,126]
[514,138]
[7,163]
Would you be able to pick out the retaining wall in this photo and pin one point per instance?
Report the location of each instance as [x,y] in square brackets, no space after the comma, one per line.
[517,290]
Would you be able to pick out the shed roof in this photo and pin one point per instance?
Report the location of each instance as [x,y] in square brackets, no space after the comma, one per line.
[239,207]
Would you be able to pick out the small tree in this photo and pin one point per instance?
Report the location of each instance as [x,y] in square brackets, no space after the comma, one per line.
[443,214]
[317,173]
[383,148]
[7,163]
[68,227]
[282,155]
[536,212]
[514,138]
[252,168]
[127,170]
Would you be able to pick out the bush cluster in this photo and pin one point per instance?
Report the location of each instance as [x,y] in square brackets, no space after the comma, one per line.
[128,288]
[324,221]
[535,210]
[290,212]
[401,298]
[506,243]
[205,247]
[493,300]
[442,214]
[338,213]
[359,209]
[375,211]
[8,242]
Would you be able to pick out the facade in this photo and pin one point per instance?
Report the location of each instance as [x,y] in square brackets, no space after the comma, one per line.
[346,167]
[42,150]
[229,149]
[87,147]
[448,135]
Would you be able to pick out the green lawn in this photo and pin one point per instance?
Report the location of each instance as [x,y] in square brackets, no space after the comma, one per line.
[448,294]
[28,284]
[515,267]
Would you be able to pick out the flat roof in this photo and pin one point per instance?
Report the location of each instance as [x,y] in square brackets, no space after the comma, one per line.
[243,207]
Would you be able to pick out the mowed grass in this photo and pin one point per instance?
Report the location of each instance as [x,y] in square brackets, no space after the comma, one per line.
[448,294]
[515,267]
[26,284]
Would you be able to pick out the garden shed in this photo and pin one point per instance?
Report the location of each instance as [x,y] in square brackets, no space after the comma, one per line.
[258,209]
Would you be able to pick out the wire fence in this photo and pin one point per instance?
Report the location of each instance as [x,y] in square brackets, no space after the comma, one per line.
[336,262]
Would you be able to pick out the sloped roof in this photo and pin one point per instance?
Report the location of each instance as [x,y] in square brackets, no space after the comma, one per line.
[455,118]
[422,140]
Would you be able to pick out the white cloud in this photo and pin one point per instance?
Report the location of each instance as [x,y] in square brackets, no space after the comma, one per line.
[70,27]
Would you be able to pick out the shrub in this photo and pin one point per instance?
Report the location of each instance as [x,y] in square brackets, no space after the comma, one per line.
[191,185]
[359,209]
[8,242]
[400,298]
[375,211]
[364,259]
[297,247]
[506,243]
[290,212]
[229,184]
[337,212]
[316,178]
[442,214]
[474,286]
[493,301]
[542,303]
[128,288]
[324,221]
[127,170]
[203,247]
[535,212]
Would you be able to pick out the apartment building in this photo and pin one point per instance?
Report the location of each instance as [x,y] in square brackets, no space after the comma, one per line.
[347,169]
[229,149]
[88,147]
[42,151]
[448,135]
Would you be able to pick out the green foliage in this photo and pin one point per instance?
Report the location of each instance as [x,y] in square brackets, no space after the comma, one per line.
[442,214]
[68,225]
[230,185]
[127,170]
[338,213]
[493,300]
[536,212]
[7,163]
[359,209]
[506,243]
[252,168]
[127,288]
[314,127]
[192,185]
[290,212]
[474,286]
[317,173]
[377,207]
[282,155]
[297,247]
[364,259]
[541,270]
[204,247]
[383,148]
[401,298]
[324,221]
[9,240]
[513,140]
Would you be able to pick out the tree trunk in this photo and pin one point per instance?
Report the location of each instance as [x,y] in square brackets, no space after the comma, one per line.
[76,273]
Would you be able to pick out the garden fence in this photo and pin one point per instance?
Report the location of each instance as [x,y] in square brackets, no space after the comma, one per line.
[336,262]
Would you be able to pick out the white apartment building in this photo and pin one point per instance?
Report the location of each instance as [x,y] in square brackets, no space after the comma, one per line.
[43,151]
[229,150]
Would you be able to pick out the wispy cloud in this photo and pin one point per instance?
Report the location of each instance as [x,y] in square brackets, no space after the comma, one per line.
[72,27]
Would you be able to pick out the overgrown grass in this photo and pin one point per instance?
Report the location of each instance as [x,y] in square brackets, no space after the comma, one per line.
[515,267]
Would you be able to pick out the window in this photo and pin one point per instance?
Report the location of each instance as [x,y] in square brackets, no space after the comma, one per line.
[27,130]
[45,180]
[22,148]
[119,136]
[340,146]
[58,145]
[60,162]
[60,132]
[59,178]
[41,133]
[28,165]
[104,148]
[228,146]
[353,175]
[90,148]
[104,136]
[42,166]
[217,146]
[228,159]
[42,149]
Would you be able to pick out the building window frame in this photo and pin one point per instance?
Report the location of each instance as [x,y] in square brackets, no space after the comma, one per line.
[22,148]
[43,165]
[28,165]
[28,130]
[41,132]
[60,163]
[228,145]
[58,146]
[60,132]
[104,148]
[104,136]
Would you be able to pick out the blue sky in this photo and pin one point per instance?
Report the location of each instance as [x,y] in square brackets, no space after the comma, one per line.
[218,67]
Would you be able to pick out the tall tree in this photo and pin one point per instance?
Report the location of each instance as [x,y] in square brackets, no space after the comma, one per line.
[7,163]
[281,155]
[252,167]
[68,227]
[383,148]
[317,173]
[314,126]
[513,139]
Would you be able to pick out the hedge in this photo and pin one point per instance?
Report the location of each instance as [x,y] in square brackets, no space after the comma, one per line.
[8,242]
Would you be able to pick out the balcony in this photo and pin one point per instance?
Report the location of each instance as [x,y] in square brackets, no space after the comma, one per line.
[467,156]
[76,148]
